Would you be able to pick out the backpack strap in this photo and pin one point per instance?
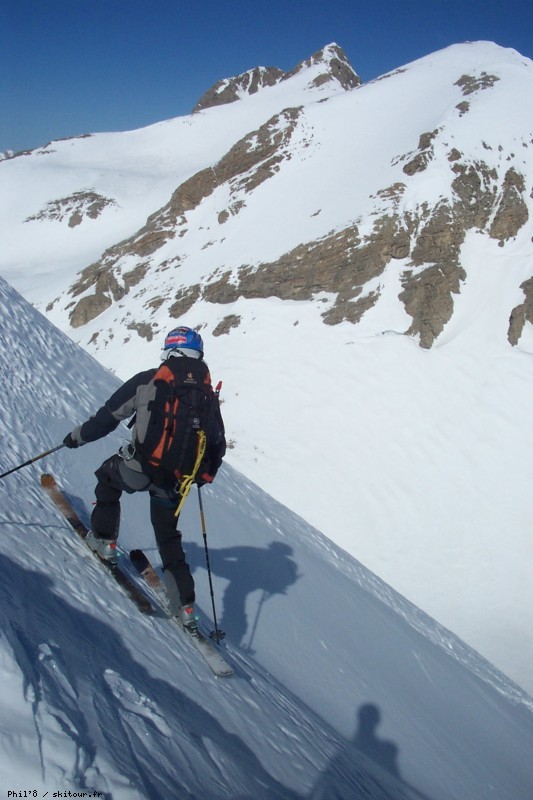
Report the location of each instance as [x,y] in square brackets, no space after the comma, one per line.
[166,376]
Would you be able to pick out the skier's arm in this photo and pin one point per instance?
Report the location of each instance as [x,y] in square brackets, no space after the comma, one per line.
[120,405]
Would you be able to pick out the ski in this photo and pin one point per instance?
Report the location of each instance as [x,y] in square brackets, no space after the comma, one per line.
[117,572]
[218,665]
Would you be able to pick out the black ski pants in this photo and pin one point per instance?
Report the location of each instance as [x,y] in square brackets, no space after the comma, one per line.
[115,477]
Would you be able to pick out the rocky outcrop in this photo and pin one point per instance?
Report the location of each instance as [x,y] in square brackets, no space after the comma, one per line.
[511,212]
[427,296]
[521,314]
[231,89]
[74,208]
[89,308]
[438,234]
[469,84]
[420,160]
[475,186]
[339,264]
[184,299]
[226,325]
[106,289]
[143,329]
[343,263]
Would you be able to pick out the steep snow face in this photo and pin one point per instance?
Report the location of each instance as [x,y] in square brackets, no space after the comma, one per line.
[403,206]
[336,674]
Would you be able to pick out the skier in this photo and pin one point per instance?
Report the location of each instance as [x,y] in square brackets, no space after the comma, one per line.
[131,471]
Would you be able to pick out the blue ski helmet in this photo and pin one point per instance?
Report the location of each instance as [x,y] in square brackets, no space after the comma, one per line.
[184,339]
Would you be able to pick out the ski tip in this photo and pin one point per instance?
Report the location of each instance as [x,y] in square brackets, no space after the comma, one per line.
[47,480]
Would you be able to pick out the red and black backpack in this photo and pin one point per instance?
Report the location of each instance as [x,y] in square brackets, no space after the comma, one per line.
[180,417]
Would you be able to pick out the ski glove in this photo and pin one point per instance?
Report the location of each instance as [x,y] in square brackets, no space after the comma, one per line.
[204,478]
[68,441]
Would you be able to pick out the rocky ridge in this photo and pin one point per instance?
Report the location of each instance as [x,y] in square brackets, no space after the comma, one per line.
[331,62]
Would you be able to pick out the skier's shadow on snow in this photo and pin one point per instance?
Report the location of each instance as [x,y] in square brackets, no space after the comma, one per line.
[367,741]
[269,570]
[367,766]
[77,670]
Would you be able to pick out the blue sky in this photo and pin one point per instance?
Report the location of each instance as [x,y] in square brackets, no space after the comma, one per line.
[69,67]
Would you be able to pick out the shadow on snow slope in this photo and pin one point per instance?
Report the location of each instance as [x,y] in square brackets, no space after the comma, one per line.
[97,697]
[366,766]
[149,742]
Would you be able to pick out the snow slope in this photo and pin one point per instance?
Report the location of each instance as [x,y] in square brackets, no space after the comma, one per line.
[342,688]
[423,468]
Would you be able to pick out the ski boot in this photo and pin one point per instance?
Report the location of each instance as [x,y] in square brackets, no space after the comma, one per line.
[105,548]
[188,619]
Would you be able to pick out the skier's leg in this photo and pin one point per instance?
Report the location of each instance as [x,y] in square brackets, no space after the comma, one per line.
[178,578]
[105,518]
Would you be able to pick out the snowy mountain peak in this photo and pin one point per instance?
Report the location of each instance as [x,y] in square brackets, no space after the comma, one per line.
[332,65]
[329,64]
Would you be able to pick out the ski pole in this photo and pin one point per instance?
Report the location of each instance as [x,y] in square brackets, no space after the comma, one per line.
[264,597]
[32,460]
[216,634]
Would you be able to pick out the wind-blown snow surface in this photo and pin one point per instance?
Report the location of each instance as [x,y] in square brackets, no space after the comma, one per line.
[342,689]
[423,470]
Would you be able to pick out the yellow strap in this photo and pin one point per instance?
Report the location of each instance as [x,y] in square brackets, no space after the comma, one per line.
[187,480]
